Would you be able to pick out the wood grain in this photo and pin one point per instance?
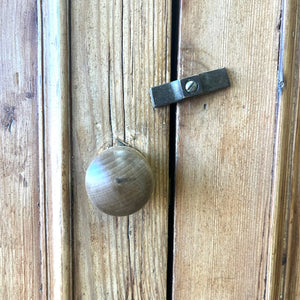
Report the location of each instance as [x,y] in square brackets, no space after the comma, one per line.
[20,258]
[287,222]
[119,49]
[227,147]
[55,82]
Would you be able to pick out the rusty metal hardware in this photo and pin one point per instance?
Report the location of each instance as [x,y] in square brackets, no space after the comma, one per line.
[179,90]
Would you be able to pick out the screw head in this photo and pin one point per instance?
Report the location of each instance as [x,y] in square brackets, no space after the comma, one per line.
[191,86]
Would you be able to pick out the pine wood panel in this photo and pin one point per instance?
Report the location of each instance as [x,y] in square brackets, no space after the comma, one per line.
[20,258]
[118,50]
[290,175]
[56,147]
[228,147]
[291,276]
[281,282]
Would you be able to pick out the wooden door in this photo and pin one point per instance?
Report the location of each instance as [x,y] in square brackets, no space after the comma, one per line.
[118,50]
[236,227]
[237,150]
[224,217]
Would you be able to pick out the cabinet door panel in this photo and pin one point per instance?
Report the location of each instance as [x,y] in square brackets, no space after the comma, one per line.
[118,50]
[234,150]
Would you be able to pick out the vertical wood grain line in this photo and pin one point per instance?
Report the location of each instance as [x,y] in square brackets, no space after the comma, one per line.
[71,261]
[41,129]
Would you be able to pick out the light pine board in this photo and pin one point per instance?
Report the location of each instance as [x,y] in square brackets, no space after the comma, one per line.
[289,184]
[20,257]
[229,173]
[119,49]
[56,147]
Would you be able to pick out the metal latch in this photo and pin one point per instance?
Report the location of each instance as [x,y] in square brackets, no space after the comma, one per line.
[178,90]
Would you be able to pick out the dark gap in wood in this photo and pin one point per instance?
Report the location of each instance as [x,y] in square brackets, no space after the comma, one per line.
[172,148]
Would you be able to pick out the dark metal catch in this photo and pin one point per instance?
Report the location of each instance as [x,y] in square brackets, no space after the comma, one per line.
[178,90]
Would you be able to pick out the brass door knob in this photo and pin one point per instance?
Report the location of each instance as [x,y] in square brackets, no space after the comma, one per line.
[119,181]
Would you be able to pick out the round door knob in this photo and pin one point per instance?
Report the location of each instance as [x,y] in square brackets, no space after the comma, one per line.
[119,181]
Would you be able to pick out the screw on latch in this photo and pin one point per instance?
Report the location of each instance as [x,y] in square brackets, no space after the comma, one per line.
[191,86]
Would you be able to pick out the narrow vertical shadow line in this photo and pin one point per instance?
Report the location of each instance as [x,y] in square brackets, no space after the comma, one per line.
[172,148]
[72,262]
[44,290]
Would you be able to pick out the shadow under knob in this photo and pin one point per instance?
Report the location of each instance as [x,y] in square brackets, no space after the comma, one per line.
[119,181]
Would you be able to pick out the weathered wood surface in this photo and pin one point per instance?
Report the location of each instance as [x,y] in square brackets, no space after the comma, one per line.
[20,257]
[289,184]
[232,150]
[118,50]
[56,111]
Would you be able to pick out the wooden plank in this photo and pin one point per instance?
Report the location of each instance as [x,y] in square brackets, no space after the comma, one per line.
[290,284]
[291,275]
[20,258]
[290,168]
[119,50]
[283,254]
[55,84]
[227,153]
